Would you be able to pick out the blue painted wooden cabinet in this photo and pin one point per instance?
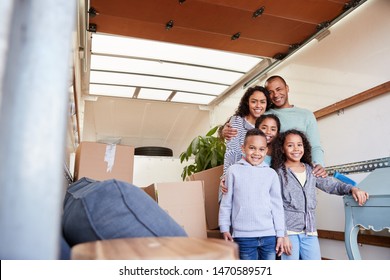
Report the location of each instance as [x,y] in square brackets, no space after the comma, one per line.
[374,215]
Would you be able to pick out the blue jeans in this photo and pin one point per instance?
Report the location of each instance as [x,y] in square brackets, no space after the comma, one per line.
[304,247]
[100,210]
[256,248]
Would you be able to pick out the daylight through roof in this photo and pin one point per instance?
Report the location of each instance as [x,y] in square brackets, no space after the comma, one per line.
[145,69]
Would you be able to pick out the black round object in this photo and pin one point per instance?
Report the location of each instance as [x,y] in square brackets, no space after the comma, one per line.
[153,151]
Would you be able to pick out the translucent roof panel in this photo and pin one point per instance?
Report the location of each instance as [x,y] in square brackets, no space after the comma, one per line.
[154,94]
[148,81]
[159,68]
[192,98]
[195,75]
[118,91]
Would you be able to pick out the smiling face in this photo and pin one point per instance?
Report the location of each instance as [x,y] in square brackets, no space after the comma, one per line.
[270,129]
[255,149]
[278,92]
[257,104]
[293,148]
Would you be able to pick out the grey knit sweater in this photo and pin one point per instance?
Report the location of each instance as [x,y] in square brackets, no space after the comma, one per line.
[300,202]
[253,204]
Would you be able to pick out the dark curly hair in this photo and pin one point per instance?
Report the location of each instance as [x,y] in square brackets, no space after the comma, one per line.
[243,106]
[278,155]
[263,117]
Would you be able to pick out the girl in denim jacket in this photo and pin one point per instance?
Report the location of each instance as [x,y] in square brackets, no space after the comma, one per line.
[292,160]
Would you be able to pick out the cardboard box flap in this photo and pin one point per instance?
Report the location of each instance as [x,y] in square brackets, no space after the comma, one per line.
[211,180]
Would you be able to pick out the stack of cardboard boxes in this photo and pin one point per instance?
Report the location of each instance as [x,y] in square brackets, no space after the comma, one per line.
[192,204]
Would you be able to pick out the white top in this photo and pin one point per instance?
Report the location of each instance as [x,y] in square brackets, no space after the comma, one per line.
[301,176]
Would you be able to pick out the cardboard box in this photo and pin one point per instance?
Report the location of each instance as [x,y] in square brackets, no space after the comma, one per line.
[100,162]
[184,202]
[214,233]
[211,180]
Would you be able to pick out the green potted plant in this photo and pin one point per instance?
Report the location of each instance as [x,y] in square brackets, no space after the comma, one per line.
[208,150]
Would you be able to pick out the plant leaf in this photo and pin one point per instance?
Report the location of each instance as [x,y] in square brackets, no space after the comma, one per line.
[194,146]
[214,158]
[183,157]
[212,131]
[184,173]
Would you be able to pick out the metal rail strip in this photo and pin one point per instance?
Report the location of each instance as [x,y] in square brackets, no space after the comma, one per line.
[359,167]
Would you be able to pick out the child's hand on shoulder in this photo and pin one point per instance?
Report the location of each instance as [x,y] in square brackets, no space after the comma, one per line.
[359,195]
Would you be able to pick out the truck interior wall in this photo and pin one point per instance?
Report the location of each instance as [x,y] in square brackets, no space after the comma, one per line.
[156,169]
[358,133]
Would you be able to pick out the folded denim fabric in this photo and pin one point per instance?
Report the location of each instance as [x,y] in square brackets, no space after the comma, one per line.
[100,210]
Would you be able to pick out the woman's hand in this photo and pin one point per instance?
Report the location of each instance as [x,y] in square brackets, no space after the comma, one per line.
[224,188]
[228,132]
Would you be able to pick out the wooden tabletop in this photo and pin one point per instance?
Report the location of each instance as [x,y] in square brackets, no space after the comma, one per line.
[152,248]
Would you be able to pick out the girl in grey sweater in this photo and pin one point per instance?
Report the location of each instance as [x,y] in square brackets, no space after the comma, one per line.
[292,160]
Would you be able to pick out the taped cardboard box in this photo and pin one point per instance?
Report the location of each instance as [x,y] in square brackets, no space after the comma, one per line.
[211,180]
[184,202]
[101,161]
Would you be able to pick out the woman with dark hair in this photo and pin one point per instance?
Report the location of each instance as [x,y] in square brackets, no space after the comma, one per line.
[253,104]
